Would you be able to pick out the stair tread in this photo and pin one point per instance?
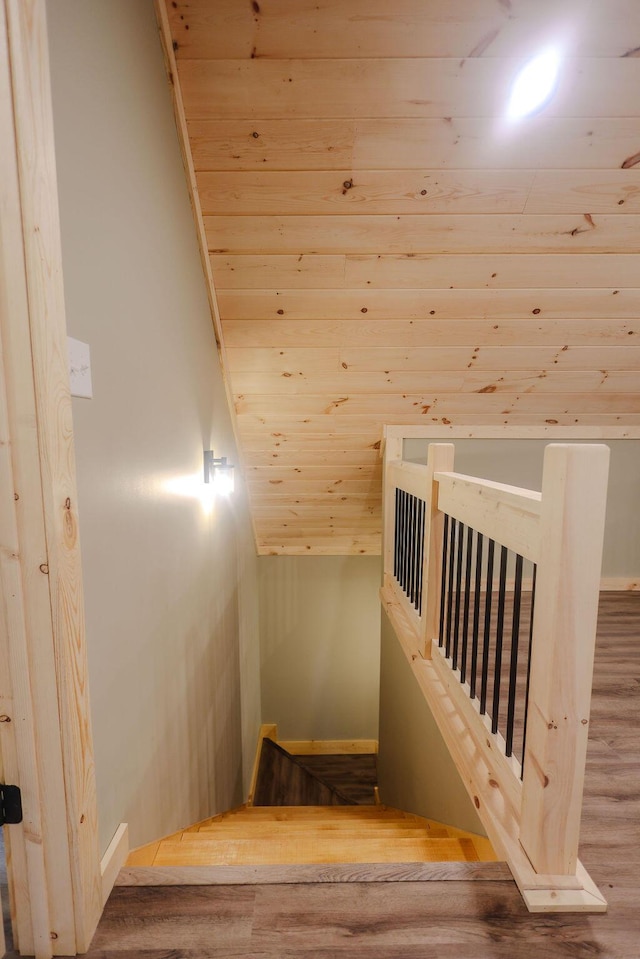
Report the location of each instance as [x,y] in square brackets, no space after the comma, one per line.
[311,812]
[316,850]
[278,831]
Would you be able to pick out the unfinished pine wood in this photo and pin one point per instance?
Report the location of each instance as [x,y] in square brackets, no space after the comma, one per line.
[386,87]
[445,381]
[379,234]
[389,305]
[422,272]
[397,143]
[48,661]
[411,29]
[436,191]
[438,233]
[574,486]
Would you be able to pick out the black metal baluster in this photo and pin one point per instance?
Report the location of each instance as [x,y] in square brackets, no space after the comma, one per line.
[452,556]
[497,672]
[476,616]
[526,692]
[443,578]
[396,537]
[487,628]
[456,628]
[410,531]
[465,611]
[405,543]
[513,662]
[414,552]
[420,552]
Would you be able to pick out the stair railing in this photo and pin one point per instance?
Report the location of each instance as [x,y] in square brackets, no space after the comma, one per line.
[493,593]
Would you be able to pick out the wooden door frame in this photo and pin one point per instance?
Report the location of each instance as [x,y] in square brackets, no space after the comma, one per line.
[45,728]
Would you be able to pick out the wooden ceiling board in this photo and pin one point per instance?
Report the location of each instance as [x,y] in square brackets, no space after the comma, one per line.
[506,271]
[388,249]
[410,28]
[451,142]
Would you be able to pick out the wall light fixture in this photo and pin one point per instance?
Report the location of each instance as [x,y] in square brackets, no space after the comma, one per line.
[218,472]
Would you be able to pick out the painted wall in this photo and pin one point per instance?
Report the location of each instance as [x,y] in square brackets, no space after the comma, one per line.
[320,643]
[415,769]
[170,577]
[519,463]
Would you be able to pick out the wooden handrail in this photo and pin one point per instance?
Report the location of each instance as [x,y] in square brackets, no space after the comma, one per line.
[533,823]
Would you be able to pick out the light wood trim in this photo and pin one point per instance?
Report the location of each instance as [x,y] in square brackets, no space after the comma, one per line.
[267,731]
[44,472]
[440,458]
[506,432]
[410,477]
[114,859]
[25,863]
[504,513]
[620,584]
[487,777]
[329,747]
[574,488]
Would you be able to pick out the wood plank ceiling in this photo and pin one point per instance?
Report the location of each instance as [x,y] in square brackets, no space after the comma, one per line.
[387,248]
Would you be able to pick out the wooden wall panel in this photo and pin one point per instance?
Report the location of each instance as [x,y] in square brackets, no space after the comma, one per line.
[408,28]
[387,248]
[451,142]
[439,233]
[424,271]
[367,305]
[254,193]
[431,332]
[391,87]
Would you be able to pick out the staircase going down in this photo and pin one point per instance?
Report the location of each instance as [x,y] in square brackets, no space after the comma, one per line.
[259,835]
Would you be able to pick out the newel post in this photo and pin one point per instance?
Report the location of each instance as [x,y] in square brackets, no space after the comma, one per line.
[574,487]
[439,460]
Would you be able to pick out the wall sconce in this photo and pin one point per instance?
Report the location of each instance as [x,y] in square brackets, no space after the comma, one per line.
[218,472]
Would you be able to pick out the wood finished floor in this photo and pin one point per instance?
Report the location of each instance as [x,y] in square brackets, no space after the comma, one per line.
[435,920]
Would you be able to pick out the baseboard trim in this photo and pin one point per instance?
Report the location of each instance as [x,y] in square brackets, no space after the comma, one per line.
[329,873]
[611,584]
[114,859]
[328,747]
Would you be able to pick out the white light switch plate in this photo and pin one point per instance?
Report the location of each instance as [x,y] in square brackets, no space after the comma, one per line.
[79,368]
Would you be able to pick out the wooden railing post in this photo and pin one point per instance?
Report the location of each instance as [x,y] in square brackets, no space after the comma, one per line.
[574,486]
[440,459]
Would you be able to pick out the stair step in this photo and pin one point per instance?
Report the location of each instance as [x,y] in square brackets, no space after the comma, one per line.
[312,813]
[313,851]
[258,832]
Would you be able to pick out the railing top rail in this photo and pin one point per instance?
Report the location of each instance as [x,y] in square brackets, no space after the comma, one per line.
[506,514]
[528,499]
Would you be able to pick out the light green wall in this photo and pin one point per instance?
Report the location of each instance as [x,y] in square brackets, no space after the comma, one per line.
[320,640]
[415,770]
[519,463]
[171,594]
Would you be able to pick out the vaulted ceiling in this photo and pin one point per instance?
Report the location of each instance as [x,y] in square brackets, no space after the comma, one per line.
[386,247]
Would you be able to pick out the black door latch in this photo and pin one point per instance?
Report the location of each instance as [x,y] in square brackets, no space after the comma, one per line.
[10,805]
